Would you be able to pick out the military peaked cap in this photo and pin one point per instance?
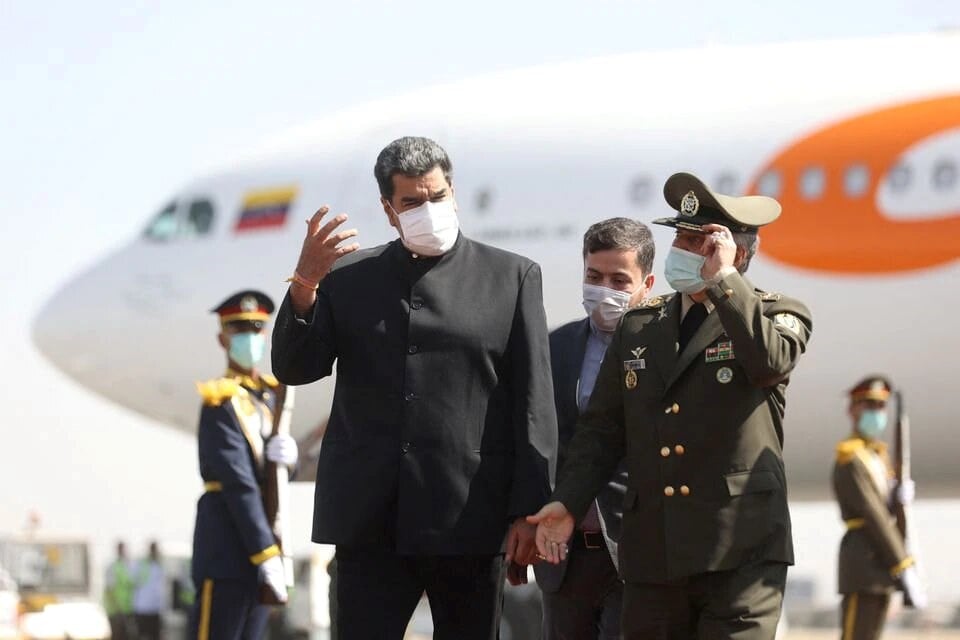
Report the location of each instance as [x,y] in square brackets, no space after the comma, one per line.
[697,205]
[245,306]
[873,387]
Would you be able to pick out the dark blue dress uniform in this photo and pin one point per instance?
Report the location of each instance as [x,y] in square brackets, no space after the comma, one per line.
[232,536]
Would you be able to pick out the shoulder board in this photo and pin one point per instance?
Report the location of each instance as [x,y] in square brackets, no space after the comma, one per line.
[651,303]
[269,380]
[215,392]
[768,296]
[847,449]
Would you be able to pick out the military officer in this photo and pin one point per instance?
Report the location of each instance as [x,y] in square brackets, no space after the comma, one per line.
[691,391]
[873,556]
[234,549]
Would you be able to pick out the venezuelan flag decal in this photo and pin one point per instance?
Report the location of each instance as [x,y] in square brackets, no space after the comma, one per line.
[265,208]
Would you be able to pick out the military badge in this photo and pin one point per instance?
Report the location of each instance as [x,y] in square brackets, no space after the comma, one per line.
[721,351]
[634,365]
[724,375]
[638,351]
[663,313]
[631,379]
[689,205]
[248,304]
[787,321]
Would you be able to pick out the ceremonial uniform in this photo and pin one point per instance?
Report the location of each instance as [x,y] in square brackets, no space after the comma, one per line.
[232,536]
[706,538]
[872,553]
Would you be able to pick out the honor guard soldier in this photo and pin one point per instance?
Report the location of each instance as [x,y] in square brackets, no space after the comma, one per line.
[691,393]
[234,549]
[873,557]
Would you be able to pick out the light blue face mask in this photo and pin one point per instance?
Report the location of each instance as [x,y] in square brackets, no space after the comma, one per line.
[872,423]
[247,348]
[682,271]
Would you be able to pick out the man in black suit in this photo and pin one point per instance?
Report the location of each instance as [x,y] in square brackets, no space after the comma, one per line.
[442,433]
[582,594]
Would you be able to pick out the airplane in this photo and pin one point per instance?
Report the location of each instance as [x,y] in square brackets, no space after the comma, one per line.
[858,139]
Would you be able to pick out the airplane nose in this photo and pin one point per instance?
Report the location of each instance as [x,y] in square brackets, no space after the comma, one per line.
[68,329]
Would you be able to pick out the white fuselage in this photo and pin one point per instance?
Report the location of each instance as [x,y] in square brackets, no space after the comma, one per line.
[539,155]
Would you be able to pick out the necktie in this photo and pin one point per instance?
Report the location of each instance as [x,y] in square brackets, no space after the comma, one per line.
[691,322]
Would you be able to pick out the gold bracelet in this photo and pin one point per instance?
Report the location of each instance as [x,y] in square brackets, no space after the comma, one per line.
[296,278]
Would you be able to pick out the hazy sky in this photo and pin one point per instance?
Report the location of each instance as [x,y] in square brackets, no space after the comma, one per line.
[109,107]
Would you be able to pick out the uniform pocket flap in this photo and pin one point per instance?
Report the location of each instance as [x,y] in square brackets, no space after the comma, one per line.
[751,482]
[629,499]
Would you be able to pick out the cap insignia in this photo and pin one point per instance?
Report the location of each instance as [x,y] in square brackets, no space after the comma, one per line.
[248,304]
[689,205]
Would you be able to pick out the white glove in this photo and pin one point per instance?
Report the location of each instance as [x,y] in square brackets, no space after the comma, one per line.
[912,587]
[282,449]
[906,491]
[273,575]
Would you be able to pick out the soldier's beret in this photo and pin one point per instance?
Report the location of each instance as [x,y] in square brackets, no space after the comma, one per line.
[697,205]
[874,387]
[245,306]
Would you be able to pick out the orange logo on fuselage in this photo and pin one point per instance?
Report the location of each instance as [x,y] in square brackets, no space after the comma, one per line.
[833,223]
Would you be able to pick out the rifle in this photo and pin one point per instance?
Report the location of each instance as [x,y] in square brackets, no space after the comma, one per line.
[276,492]
[901,448]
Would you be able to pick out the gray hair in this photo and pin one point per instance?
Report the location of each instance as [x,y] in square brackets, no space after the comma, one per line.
[412,157]
[622,234]
[749,242]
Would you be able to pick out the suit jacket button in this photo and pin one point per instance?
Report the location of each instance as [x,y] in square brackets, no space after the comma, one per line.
[412,348]
[405,447]
[665,452]
[668,491]
[684,490]
[679,450]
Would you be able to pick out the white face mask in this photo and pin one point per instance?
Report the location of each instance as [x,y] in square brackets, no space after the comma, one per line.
[430,229]
[605,306]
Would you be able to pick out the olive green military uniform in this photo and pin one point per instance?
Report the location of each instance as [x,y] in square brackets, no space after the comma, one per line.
[872,552]
[701,431]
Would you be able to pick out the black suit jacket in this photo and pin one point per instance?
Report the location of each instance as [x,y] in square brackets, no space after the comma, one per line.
[567,349]
[442,427]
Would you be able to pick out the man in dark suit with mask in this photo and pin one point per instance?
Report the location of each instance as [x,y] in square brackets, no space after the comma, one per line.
[442,433]
[582,595]
[692,393]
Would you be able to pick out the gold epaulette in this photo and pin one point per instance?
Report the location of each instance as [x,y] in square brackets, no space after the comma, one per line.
[651,303]
[847,449]
[269,380]
[215,391]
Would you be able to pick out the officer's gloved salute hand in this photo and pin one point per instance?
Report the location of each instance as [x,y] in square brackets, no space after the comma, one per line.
[321,248]
[273,575]
[913,588]
[282,449]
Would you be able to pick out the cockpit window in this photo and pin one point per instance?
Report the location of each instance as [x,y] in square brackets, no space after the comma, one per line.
[164,225]
[199,218]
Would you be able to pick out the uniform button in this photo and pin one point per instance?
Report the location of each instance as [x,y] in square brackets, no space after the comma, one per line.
[665,452]
[668,491]
[729,292]
[408,397]
[679,450]
[684,490]
[416,305]
[412,348]
[405,447]
[675,408]
[668,410]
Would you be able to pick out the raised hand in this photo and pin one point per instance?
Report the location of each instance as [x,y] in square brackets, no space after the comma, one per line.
[321,248]
[721,250]
[554,528]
